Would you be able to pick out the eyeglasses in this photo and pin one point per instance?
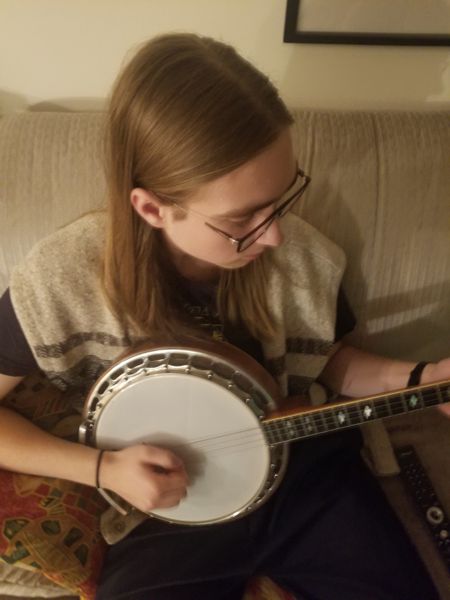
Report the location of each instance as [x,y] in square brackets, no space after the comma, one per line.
[242,243]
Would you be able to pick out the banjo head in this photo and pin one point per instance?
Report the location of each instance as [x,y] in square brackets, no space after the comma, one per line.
[204,409]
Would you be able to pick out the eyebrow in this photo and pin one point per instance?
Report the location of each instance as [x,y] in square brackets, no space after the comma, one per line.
[249,211]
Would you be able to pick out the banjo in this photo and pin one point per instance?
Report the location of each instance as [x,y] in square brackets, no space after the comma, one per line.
[212,406]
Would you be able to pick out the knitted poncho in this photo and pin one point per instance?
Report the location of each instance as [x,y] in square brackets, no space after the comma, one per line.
[58,298]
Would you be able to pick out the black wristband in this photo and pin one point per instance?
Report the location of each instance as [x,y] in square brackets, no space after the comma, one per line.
[106,495]
[97,470]
[416,374]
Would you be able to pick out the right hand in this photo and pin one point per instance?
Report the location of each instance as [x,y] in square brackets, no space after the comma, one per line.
[148,477]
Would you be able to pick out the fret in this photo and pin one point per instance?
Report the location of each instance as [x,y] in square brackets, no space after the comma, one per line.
[279,431]
[268,431]
[404,402]
[374,410]
[324,421]
[397,405]
[329,419]
[340,415]
[353,415]
[319,423]
[388,406]
[308,425]
[367,411]
[444,393]
[360,415]
[288,430]
[414,401]
[299,426]
[291,431]
[440,390]
[382,408]
[276,434]
[431,397]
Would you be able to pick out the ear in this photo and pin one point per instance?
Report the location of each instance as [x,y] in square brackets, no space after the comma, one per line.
[149,207]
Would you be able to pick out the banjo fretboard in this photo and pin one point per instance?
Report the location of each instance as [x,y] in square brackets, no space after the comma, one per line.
[327,418]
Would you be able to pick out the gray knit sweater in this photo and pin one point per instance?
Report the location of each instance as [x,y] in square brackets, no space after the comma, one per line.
[59,301]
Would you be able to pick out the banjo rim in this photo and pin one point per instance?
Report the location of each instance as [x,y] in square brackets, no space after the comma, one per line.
[222,354]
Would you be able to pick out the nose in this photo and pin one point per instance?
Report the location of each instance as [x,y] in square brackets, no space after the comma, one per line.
[272,236]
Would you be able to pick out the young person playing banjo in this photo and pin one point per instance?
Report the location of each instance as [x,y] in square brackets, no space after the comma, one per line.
[200,170]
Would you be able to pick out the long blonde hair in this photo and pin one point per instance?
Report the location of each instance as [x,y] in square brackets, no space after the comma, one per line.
[184,111]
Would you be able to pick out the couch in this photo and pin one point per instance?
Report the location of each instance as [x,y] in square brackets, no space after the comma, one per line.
[380,189]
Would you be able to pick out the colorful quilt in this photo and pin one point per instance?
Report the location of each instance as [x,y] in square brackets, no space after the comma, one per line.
[51,525]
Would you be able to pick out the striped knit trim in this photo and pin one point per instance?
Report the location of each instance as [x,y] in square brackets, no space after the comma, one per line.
[312,346]
[77,339]
[276,366]
[296,345]
[81,375]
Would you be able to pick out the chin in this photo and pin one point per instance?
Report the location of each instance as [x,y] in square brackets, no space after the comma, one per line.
[242,261]
[252,257]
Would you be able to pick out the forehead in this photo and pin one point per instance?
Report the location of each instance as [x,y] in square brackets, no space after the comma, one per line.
[263,178]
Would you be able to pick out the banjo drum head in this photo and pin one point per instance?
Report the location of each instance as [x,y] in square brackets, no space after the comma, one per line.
[204,418]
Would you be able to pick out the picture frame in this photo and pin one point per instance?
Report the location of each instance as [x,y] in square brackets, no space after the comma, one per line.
[370,22]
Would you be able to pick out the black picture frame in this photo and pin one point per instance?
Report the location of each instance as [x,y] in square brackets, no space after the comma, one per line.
[292,35]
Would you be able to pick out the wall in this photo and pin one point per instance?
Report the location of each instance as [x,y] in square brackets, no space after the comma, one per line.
[58,54]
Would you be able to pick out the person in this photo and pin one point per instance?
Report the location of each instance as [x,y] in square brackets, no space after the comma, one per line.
[200,169]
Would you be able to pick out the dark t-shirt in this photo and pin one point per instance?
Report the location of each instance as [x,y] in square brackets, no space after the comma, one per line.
[16,358]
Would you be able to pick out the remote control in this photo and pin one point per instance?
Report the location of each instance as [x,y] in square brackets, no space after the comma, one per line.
[426,500]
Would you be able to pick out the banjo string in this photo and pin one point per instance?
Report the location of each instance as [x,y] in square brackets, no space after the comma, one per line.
[273,433]
[251,437]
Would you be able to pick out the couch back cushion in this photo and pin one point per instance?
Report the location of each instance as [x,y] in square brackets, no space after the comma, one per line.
[380,189]
[50,173]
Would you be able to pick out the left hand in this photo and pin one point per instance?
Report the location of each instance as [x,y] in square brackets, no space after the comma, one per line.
[439,371]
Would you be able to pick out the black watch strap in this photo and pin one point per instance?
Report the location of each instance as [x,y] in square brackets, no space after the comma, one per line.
[416,374]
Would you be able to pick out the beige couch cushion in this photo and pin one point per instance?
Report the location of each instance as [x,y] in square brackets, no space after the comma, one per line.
[50,173]
[380,189]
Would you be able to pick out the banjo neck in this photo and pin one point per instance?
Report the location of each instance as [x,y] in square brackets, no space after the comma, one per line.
[296,423]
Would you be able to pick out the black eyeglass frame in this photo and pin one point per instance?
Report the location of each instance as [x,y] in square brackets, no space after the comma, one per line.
[279,212]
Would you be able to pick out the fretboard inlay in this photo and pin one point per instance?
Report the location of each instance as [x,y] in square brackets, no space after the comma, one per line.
[352,413]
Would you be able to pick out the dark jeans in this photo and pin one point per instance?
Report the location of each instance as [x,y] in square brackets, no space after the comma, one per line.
[327,534]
